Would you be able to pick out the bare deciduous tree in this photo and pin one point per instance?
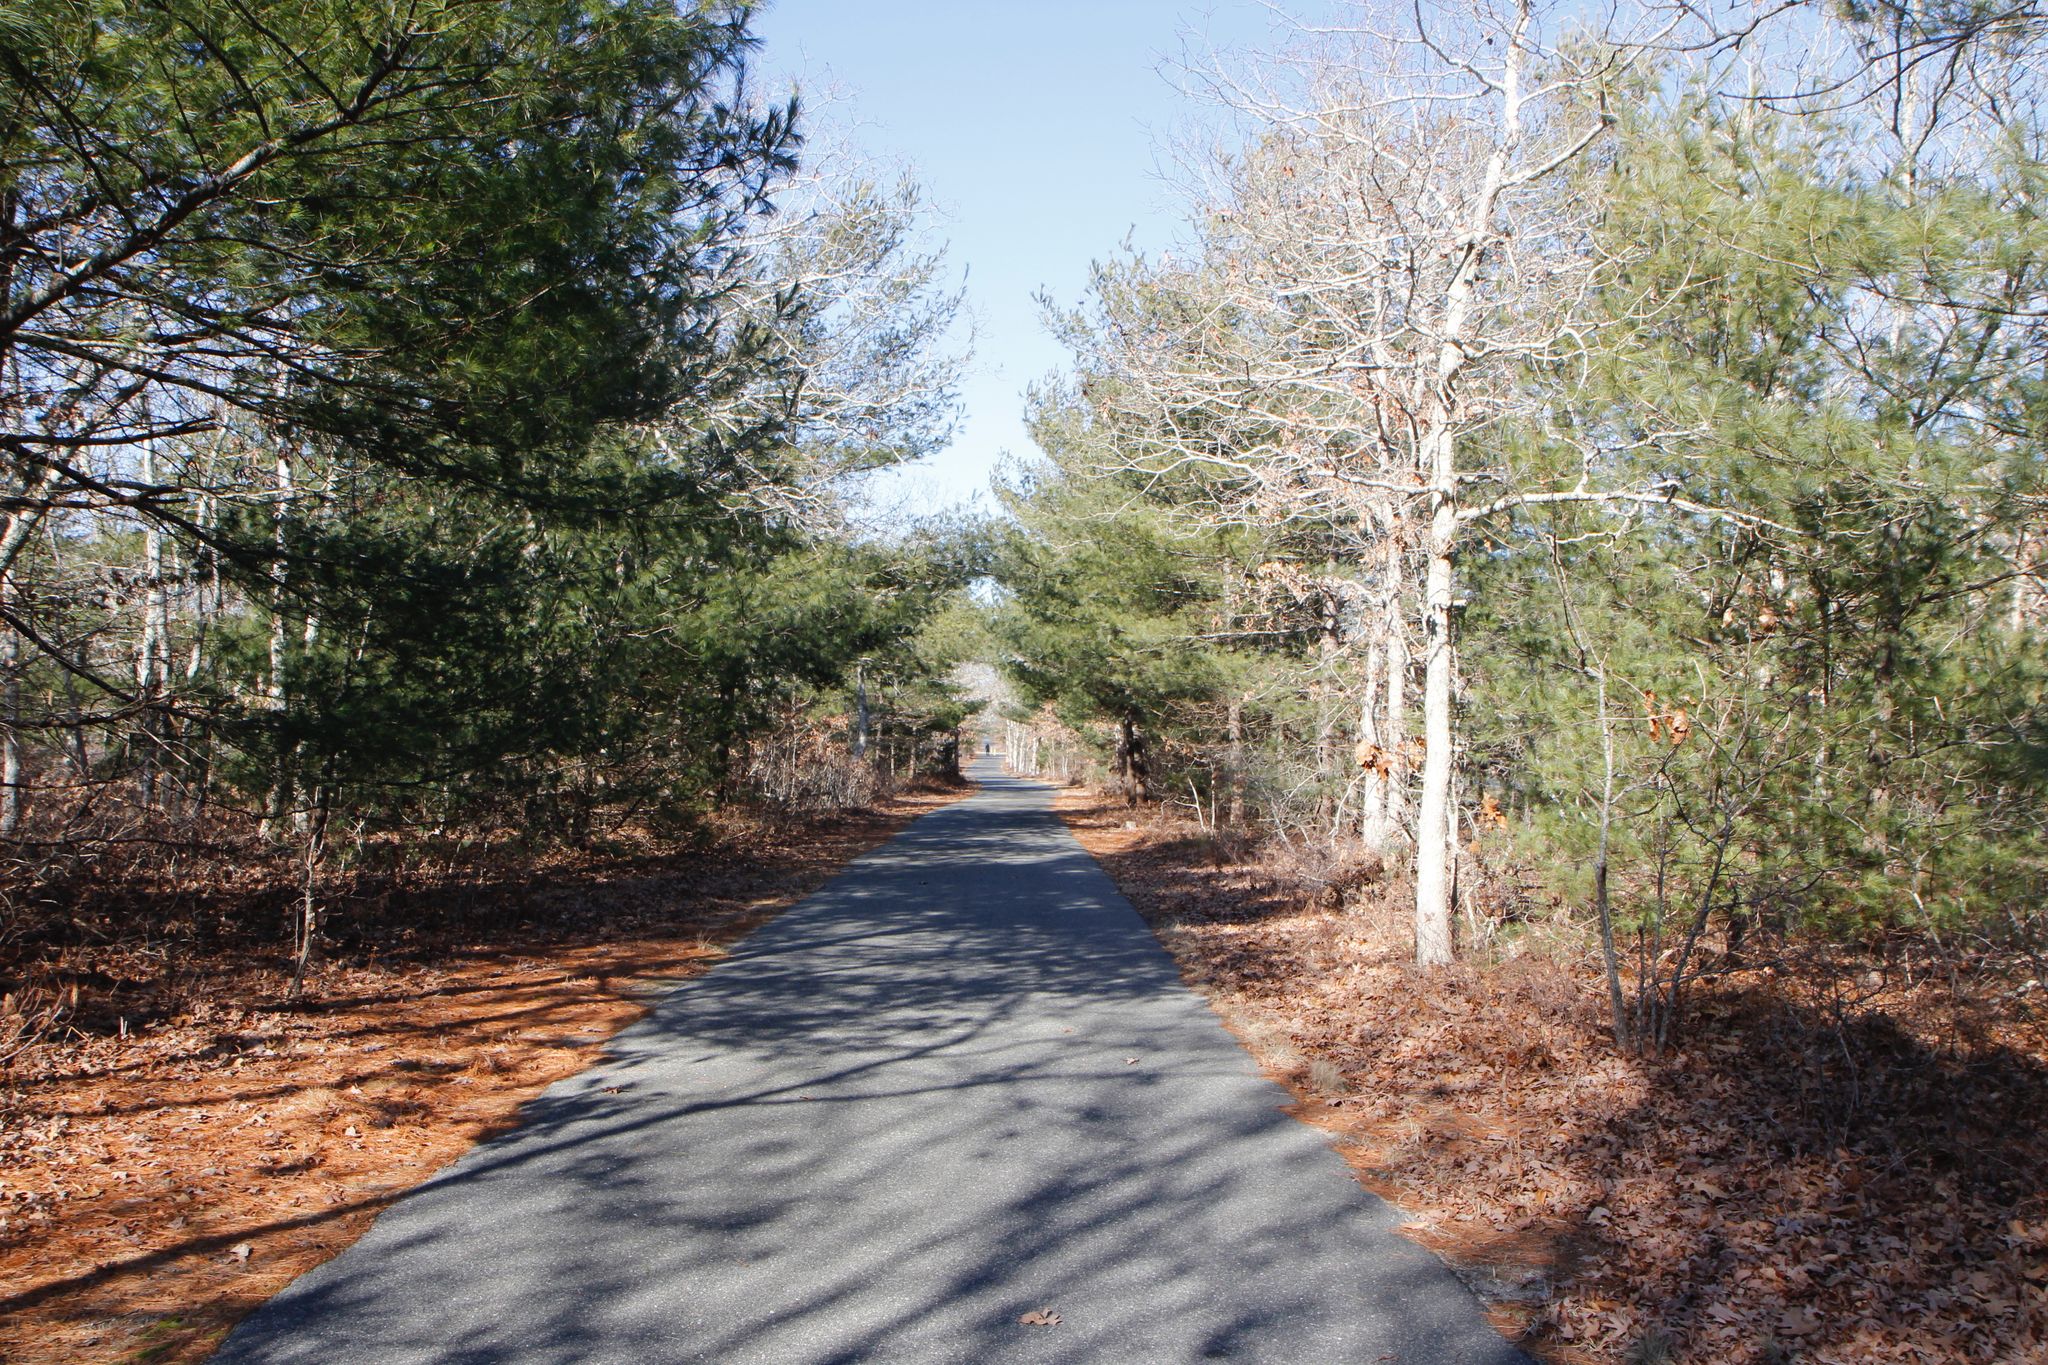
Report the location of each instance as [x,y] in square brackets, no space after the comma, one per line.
[1400,241]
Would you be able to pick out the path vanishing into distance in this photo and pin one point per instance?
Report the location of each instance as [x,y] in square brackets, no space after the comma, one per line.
[959,1084]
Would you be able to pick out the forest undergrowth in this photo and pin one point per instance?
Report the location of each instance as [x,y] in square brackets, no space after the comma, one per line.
[1842,1161]
[186,1139]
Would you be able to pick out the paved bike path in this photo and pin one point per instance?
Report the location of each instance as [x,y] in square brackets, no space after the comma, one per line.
[959,1083]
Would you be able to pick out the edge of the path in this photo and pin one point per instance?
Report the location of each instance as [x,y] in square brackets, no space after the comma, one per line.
[1495,1279]
[276,1156]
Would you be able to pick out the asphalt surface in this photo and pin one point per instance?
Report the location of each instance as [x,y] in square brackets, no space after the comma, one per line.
[960,1083]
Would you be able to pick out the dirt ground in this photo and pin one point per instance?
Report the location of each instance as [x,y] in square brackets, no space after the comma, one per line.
[161,1177]
[1843,1163]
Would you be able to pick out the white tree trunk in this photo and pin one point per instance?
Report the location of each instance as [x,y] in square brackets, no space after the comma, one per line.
[1372,802]
[278,682]
[1393,693]
[206,591]
[1433,824]
[1438,452]
[152,661]
[10,734]
[860,710]
[1233,729]
[1327,693]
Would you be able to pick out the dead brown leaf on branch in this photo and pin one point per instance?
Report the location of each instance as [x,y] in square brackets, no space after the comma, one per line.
[1828,1171]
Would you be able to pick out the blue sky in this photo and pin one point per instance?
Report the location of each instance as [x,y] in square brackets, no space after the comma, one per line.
[1035,127]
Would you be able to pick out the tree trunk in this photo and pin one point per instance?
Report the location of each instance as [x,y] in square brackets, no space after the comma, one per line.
[1433,826]
[10,639]
[1234,780]
[1330,771]
[280,798]
[152,655]
[207,598]
[1617,1007]
[1372,755]
[1130,760]
[10,732]
[309,905]
[1394,688]
[1437,463]
[860,709]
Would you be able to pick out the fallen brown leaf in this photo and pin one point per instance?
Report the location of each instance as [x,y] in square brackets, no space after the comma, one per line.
[445,1007]
[1858,1182]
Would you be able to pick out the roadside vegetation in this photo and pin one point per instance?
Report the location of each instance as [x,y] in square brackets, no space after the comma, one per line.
[430,436]
[165,1179]
[1550,570]
[1832,1167]
[433,606]
[1569,516]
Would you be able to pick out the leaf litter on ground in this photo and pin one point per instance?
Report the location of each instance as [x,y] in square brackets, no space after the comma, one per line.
[156,1188]
[1804,1180]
